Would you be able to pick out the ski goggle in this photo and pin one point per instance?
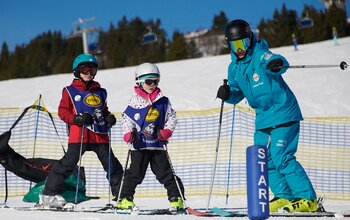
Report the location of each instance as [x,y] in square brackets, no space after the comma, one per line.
[88,69]
[242,44]
[151,81]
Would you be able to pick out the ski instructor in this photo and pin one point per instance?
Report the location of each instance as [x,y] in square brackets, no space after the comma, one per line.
[255,73]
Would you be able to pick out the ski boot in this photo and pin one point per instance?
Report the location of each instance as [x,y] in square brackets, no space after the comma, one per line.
[300,205]
[126,203]
[176,204]
[53,201]
[277,203]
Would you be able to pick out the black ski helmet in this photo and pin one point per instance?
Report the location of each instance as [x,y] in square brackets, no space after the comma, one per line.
[238,29]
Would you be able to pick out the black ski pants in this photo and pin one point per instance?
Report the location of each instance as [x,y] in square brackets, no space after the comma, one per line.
[65,166]
[160,167]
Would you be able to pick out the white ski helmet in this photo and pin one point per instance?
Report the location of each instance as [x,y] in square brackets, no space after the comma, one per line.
[146,69]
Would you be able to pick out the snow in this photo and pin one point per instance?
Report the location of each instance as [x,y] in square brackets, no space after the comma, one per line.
[192,85]
[194,202]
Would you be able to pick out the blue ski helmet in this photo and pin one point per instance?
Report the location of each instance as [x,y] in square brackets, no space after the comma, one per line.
[83,59]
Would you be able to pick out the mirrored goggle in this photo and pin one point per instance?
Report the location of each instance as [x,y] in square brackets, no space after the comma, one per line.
[88,69]
[151,81]
[242,44]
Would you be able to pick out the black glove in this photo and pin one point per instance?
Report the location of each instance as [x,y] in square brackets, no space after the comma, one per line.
[223,92]
[84,119]
[110,120]
[275,65]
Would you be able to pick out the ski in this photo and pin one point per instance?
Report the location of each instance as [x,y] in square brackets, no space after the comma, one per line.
[199,213]
[303,214]
[224,213]
[167,212]
[104,210]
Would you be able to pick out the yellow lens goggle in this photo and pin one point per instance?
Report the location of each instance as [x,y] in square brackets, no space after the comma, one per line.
[242,44]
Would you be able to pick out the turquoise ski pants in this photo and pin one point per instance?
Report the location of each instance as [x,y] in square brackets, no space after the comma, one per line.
[287,178]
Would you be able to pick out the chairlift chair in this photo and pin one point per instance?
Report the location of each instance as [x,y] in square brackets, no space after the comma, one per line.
[306,23]
[149,37]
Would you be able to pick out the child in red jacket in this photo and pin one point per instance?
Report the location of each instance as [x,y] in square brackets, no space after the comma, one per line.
[83,104]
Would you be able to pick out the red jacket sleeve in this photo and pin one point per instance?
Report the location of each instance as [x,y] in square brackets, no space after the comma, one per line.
[66,110]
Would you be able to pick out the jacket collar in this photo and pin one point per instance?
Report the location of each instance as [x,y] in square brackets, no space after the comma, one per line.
[83,86]
[145,95]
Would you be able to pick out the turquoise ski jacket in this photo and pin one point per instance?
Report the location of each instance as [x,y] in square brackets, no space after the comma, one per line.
[266,91]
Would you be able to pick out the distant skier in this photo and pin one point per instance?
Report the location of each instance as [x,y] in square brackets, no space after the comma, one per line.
[255,74]
[148,123]
[83,103]
[335,35]
[295,42]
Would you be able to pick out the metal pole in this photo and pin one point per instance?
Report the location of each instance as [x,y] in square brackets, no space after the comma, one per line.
[175,177]
[343,65]
[79,166]
[229,162]
[109,167]
[216,150]
[36,131]
[122,181]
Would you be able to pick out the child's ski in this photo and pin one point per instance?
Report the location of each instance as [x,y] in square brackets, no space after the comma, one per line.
[199,213]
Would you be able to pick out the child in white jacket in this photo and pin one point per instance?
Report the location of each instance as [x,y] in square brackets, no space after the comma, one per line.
[148,123]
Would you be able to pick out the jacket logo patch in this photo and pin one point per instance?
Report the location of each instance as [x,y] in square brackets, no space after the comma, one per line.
[152,114]
[77,98]
[92,100]
[266,56]
[137,116]
[256,77]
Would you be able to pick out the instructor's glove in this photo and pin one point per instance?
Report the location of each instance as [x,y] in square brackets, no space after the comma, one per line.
[223,92]
[110,120]
[130,136]
[275,65]
[164,134]
[84,119]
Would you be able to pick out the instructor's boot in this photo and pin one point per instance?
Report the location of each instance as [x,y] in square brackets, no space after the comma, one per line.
[277,203]
[300,205]
[176,204]
[126,203]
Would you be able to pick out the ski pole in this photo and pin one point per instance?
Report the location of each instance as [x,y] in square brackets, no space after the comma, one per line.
[109,166]
[36,125]
[343,65]
[216,150]
[36,132]
[229,162]
[79,166]
[123,177]
[175,177]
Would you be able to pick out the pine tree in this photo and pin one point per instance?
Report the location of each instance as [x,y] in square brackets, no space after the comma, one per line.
[4,61]
[219,22]
[177,49]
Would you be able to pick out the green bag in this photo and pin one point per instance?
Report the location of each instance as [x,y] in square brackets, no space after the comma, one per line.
[68,192]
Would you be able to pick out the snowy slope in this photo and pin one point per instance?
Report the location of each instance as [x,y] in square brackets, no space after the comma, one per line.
[192,84]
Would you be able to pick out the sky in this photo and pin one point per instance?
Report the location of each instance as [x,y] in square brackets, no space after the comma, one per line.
[320,92]
[23,20]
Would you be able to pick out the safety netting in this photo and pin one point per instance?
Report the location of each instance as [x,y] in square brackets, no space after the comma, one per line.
[324,152]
